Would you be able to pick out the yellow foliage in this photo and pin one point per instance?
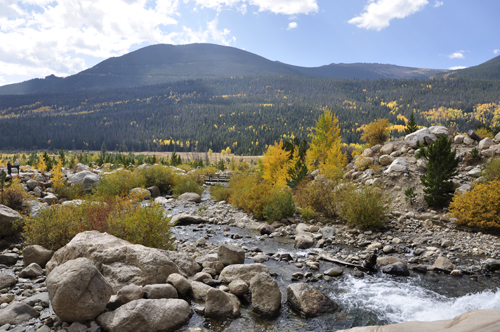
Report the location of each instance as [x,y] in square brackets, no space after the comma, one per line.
[58,175]
[363,162]
[479,207]
[325,151]
[376,132]
[41,166]
[275,165]
[483,132]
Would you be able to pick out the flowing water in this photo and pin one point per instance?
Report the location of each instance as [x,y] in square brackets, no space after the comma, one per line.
[371,300]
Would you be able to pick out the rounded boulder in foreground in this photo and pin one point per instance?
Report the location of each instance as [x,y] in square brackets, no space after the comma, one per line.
[78,291]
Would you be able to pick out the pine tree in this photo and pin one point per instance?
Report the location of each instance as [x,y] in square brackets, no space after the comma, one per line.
[412,125]
[441,168]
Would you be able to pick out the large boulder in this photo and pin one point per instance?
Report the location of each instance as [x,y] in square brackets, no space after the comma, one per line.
[443,263]
[485,143]
[160,291]
[184,261]
[187,219]
[308,301]
[199,290]
[398,165]
[476,320]
[147,316]
[8,219]
[17,313]
[180,283]
[229,254]
[220,304]
[36,254]
[85,178]
[189,197]
[77,290]
[393,265]
[266,295]
[119,261]
[31,271]
[6,281]
[244,272]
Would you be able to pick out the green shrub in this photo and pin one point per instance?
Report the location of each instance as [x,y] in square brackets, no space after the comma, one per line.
[118,183]
[14,196]
[364,208]
[219,193]
[321,195]
[307,213]
[70,192]
[492,170]
[279,206]
[187,185]
[249,193]
[159,176]
[57,225]
[479,207]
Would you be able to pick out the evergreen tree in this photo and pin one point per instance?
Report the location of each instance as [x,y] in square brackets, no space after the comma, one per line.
[412,125]
[442,166]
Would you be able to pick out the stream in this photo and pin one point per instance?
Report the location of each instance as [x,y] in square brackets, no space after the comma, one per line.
[372,300]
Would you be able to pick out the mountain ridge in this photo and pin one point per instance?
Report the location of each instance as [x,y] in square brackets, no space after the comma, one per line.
[164,63]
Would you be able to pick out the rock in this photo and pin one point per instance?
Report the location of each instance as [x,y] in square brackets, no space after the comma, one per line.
[80,167]
[485,143]
[220,304]
[42,298]
[387,149]
[238,287]
[50,199]
[180,283]
[443,263]
[186,219]
[189,197]
[476,320]
[6,281]
[119,261]
[32,184]
[367,153]
[160,291]
[328,233]
[422,164]
[385,160]
[7,298]
[85,178]
[472,134]
[129,293]
[35,207]
[8,258]
[393,265]
[304,241]
[155,191]
[184,261]
[491,264]
[488,153]
[388,249]
[77,290]
[229,254]
[147,316]
[398,165]
[200,276]
[36,254]
[266,295]
[7,218]
[475,172]
[446,243]
[266,229]
[422,136]
[374,245]
[459,139]
[244,272]
[140,194]
[161,200]
[31,271]
[199,290]
[308,301]
[334,272]
[463,189]
[17,313]
[302,228]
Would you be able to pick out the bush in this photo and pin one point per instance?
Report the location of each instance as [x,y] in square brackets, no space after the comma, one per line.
[307,213]
[492,170]
[364,208]
[479,207]
[14,196]
[249,193]
[376,132]
[118,183]
[321,195]
[187,185]
[159,176]
[70,192]
[279,206]
[57,225]
[219,193]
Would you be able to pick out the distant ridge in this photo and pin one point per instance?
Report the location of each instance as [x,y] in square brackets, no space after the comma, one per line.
[163,63]
[489,70]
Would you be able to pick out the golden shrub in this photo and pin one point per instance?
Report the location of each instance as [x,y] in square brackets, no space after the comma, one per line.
[376,132]
[479,207]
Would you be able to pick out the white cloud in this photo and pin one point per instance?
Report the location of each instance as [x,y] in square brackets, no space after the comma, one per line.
[211,33]
[496,51]
[457,55]
[286,7]
[292,25]
[438,4]
[457,67]
[378,14]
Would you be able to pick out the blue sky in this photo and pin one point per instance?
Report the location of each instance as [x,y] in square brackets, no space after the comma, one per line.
[43,37]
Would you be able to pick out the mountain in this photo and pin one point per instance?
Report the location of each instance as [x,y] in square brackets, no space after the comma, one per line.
[162,63]
[487,70]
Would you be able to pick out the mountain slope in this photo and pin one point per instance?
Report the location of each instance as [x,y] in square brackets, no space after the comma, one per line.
[162,63]
[487,70]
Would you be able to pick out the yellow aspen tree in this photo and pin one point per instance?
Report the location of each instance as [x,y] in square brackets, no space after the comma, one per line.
[41,166]
[325,151]
[275,165]
[58,175]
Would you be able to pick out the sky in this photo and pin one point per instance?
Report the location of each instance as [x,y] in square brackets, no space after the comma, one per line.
[63,37]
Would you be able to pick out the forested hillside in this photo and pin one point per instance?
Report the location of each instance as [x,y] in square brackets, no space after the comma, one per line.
[243,114]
